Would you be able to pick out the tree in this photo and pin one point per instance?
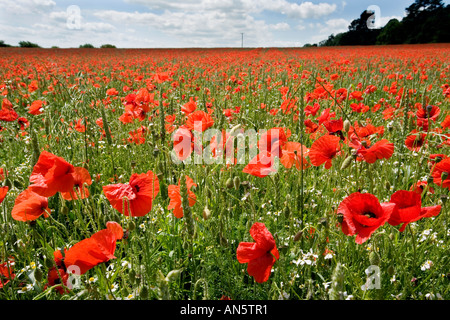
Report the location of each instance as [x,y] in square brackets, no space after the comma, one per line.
[423,5]
[108,46]
[3,44]
[87,45]
[392,33]
[28,44]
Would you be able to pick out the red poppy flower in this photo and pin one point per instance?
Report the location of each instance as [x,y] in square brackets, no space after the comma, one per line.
[420,186]
[81,178]
[334,126]
[381,150]
[292,154]
[409,209]
[183,144]
[363,215]
[8,115]
[199,121]
[88,253]
[428,113]
[260,255]
[57,278]
[311,126]
[6,272]
[189,107]
[176,200]
[36,107]
[272,141]
[29,206]
[136,197]
[261,166]
[446,123]
[51,174]
[323,150]
[415,140]
[3,192]
[115,228]
[441,173]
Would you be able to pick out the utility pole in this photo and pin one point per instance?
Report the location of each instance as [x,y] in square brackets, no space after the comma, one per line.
[242,40]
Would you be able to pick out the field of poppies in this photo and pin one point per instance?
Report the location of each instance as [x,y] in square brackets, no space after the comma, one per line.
[242,174]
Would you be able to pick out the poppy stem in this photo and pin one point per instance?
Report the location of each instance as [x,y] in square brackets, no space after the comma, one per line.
[414,246]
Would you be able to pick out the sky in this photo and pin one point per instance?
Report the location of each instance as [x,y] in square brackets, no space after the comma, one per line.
[184,24]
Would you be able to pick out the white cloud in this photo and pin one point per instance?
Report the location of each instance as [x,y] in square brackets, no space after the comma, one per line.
[282,26]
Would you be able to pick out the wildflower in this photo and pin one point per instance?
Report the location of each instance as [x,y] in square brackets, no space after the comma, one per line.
[292,155]
[81,178]
[3,192]
[409,209]
[51,174]
[323,150]
[363,214]
[29,206]
[135,198]
[175,197]
[260,255]
[426,265]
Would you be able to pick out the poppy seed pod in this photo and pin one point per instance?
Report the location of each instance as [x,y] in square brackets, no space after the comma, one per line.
[206,213]
[347,125]
[347,162]
[229,183]
[391,270]
[143,294]
[237,182]
[48,263]
[374,258]
[38,274]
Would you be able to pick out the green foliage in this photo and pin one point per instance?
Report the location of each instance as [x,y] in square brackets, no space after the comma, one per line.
[3,44]
[427,21]
[28,44]
[108,46]
[87,45]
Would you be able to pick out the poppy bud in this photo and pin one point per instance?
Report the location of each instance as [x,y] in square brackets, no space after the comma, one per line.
[237,182]
[340,217]
[155,152]
[65,210]
[391,270]
[229,183]
[438,159]
[173,275]
[38,274]
[132,275]
[8,183]
[430,179]
[48,263]
[206,213]
[144,293]
[131,225]
[388,185]
[298,236]
[374,258]
[18,183]
[347,162]
[444,176]
[346,125]
[444,198]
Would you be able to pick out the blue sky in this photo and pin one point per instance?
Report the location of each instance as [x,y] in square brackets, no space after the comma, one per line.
[178,24]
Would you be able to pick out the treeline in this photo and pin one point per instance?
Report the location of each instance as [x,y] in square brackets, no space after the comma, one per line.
[426,21]
[28,44]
